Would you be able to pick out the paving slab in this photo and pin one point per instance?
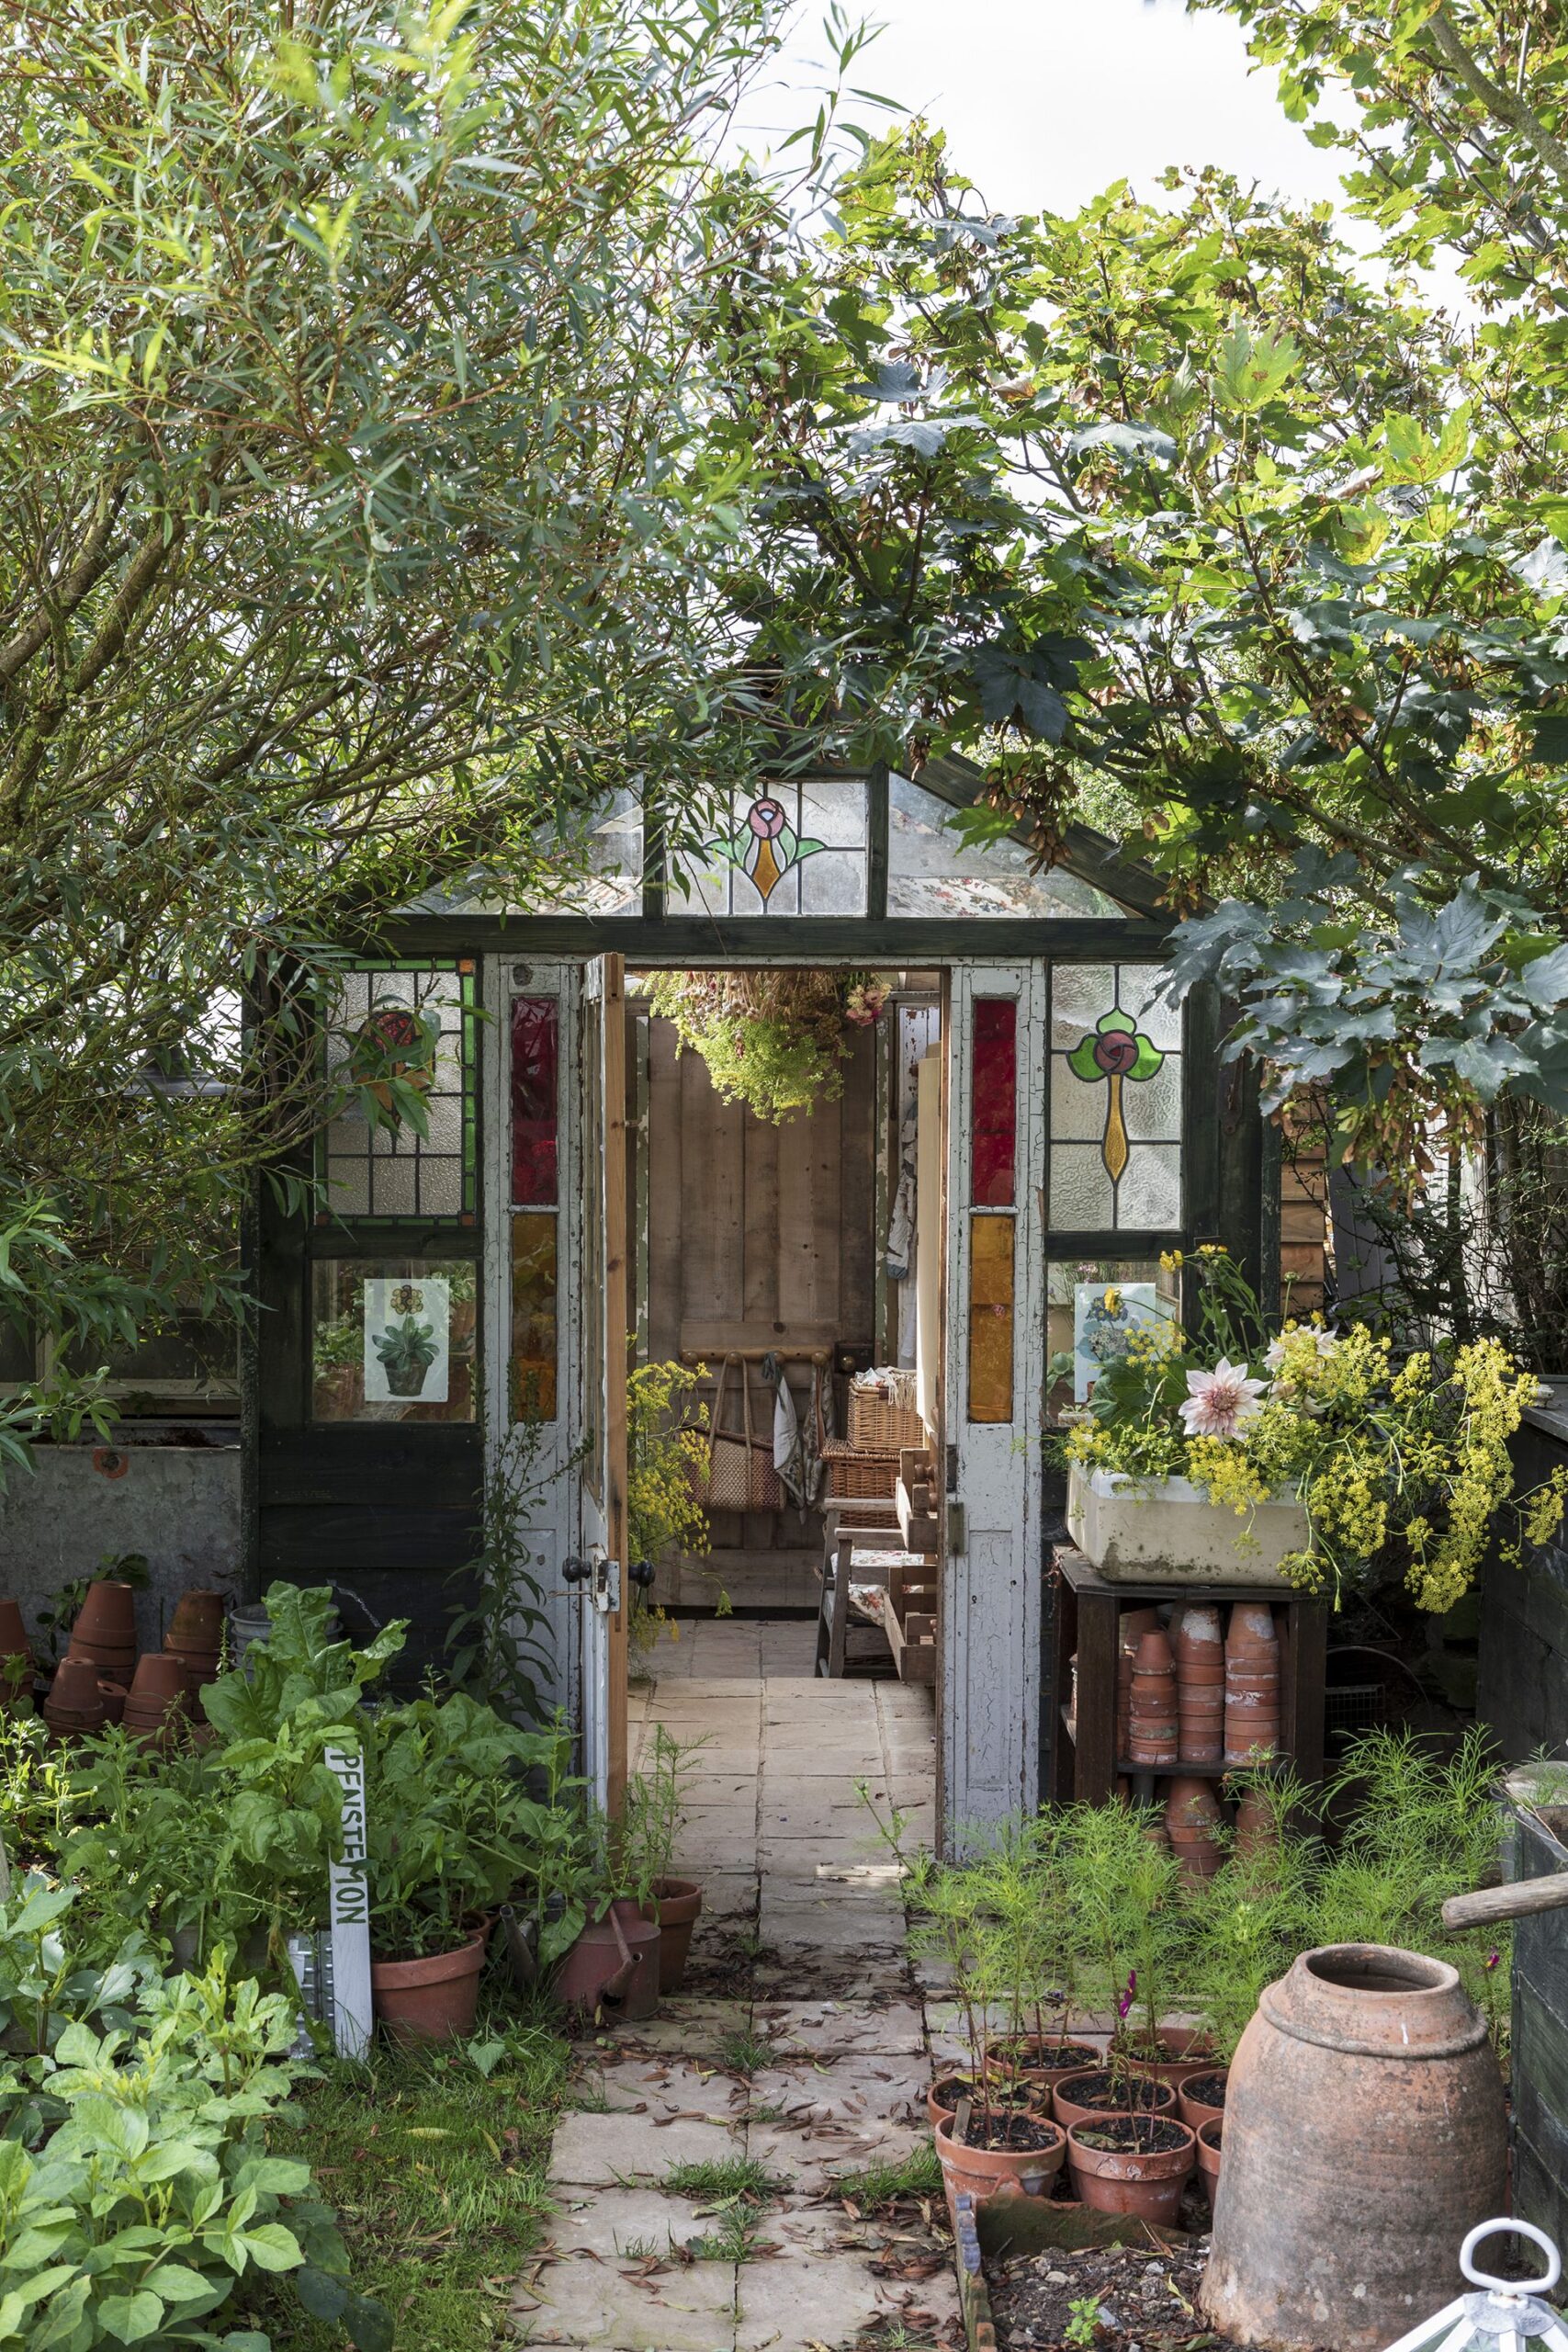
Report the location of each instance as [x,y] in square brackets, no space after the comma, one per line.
[821,1763]
[658,2085]
[607,2278]
[689,2027]
[814,2158]
[608,2151]
[863,2089]
[824,2029]
[860,1923]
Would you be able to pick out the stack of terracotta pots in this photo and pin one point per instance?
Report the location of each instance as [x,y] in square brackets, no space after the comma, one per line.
[195,1639]
[1200,1685]
[1193,1818]
[104,1637]
[1154,1733]
[1252,1684]
[1256,1831]
[77,1703]
[1132,1626]
[155,1710]
[16,1660]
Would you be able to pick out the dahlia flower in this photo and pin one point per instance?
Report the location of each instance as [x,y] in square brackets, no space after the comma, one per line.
[1220,1403]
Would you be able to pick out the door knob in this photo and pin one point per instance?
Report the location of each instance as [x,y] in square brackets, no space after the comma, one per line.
[576,1571]
[642,1572]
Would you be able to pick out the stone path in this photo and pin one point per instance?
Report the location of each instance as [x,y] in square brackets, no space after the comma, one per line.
[800,2047]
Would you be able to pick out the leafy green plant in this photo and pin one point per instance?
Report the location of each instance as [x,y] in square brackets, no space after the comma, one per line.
[493,1645]
[407,1349]
[666,1476]
[776,1040]
[641,1844]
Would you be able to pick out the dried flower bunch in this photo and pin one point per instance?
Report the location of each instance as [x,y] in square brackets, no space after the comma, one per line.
[1400,1460]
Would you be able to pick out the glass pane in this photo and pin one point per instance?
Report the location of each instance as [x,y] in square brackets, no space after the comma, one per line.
[535,1056]
[994,1110]
[1081,1196]
[782,849]
[833,883]
[1160,1022]
[1078,1112]
[440,1183]
[393,1192]
[1150,1190]
[533,1313]
[1092,1306]
[1152,1110]
[592,866]
[990,1318]
[392,1339]
[930,872]
[1079,994]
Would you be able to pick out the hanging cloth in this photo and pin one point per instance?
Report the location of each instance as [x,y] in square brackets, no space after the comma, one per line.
[789,1447]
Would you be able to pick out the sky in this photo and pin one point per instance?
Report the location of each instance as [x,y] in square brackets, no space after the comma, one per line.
[1046,102]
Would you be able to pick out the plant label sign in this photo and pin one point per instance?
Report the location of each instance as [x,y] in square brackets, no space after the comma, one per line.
[350,1886]
[408,1321]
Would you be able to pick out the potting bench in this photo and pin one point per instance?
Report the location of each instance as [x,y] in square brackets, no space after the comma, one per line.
[1080,1616]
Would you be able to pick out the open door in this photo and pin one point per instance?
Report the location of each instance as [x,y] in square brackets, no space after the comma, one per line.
[598,1570]
[994,1403]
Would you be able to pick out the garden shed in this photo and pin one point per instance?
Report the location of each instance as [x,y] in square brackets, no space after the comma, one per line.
[1023,1125]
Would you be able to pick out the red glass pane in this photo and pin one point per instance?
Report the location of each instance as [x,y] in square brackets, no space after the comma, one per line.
[536,1051]
[994,1114]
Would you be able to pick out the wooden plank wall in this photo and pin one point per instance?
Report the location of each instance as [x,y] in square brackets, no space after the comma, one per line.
[757,1235]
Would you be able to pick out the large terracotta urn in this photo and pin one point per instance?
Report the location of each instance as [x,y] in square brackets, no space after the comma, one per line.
[1364,2135]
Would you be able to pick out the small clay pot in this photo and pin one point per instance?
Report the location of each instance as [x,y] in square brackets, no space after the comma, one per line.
[1209,2156]
[673,1908]
[108,1615]
[945,2095]
[114,1695]
[1193,2106]
[1153,1654]
[75,1703]
[157,1678]
[1042,2060]
[1145,2175]
[1179,2050]
[1251,1627]
[199,1667]
[1096,2091]
[985,2173]
[435,1999]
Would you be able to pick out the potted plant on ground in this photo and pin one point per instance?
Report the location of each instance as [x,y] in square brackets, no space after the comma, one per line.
[1321,1459]
[648,1827]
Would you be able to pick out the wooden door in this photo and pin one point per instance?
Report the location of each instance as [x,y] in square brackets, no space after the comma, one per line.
[993,1407]
[598,1570]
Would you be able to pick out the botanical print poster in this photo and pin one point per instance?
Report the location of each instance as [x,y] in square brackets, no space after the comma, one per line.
[1105,1316]
[408,1330]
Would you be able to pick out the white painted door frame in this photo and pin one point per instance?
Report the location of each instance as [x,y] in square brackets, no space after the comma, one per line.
[990,1698]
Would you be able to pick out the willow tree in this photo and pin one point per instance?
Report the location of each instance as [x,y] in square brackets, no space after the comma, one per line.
[357,526]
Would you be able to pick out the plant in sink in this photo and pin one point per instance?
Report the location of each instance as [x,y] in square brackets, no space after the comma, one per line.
[1305,1456]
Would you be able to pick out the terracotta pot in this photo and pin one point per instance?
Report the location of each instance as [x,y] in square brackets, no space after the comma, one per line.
[1251,1626]
[1147,2181]
[1196,2112]
[1365,2052]
[75,1704]
[1209,2156]
[1043,2061]
[1180,2051]
[113,1695]
[108,1615]
[196,1623]
[1137,2089]
[1200,1642]
[157,1679]
[1193,1818]
[433,1999]
[1257,1831]
[673,1909]
[612,1966]
[199,1667]
[997,2172]
[944,2095]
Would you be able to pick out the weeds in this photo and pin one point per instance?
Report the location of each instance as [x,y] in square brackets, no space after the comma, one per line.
[744,2053]
[730,2176]
[918,2174]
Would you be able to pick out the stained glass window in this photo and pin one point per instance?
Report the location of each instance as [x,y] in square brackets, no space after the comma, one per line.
[994,1105]
[393,1338]
[1115,1100]
[931,871]
[993,1194]
[397,1027]
[536,1205]
[991,1247]
[788,849]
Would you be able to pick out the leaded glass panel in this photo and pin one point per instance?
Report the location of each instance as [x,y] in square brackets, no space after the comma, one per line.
[786,849]
[1116,1084]
[398,1026]
[933,871]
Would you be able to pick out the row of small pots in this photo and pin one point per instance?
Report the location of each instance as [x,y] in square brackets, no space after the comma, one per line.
[1120,2163]
[620,1965]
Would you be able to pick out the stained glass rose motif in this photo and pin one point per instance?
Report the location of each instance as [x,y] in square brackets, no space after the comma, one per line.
[392,1062]
[764,845]
[1114,1051]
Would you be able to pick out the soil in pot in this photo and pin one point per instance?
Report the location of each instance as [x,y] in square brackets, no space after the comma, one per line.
[1041,2058]
[673,1908]
[1171,2056]
[1105,2090]
[1133,2164]
[431,1999]
[1200,2098]
[944,2097]
[1023,2157]
[1209,2154]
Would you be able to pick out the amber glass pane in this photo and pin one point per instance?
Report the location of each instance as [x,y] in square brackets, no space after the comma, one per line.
[993,1113]
[534,1340]
[535,1052]
[990,1318]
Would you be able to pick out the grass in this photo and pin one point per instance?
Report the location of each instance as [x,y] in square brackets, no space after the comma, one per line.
[745,2053]
[437,2172]
[729,2176]
[918,2174]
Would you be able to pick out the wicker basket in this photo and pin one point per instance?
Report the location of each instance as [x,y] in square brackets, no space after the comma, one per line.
[853,1471]
[878,1426]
